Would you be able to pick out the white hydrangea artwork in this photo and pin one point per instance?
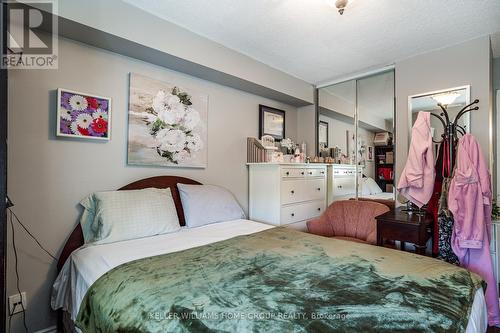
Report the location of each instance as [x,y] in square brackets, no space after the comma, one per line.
[167,124]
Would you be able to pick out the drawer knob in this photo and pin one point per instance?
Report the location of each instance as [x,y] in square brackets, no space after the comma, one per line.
[302,172]
[322,172]
[319,209]
[292,191]
[319,188]
[340,186]
[310,173]
[288,173]
[293,214]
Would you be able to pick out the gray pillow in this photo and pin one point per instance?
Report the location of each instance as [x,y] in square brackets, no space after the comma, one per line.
[120,215]
[206,204]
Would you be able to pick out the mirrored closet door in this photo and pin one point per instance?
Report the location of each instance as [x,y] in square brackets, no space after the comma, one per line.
[355,137]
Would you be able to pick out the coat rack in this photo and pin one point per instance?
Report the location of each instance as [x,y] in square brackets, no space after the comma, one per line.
[451,129]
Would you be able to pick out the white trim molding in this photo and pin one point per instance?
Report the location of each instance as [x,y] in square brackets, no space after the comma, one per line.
[357,75]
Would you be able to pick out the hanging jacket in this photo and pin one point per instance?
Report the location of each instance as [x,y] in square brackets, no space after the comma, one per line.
[417,179]
[469,200]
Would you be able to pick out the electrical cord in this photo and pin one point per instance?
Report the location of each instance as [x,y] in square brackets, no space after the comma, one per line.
[31,235]
[11,313]
[12,214]
[17,273]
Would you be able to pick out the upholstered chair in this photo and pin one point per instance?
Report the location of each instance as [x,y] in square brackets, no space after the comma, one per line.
[349,220]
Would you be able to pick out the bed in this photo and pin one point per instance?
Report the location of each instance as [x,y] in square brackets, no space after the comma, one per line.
[247,276]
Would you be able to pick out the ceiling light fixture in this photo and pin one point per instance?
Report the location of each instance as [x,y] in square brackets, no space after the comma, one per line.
[341,4]
[446,98]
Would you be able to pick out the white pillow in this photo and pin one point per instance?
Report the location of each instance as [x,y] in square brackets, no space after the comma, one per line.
[122,215]
[372,186]
[364,188]
[206,204]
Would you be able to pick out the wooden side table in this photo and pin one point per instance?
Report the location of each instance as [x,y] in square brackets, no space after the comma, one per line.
[397,225]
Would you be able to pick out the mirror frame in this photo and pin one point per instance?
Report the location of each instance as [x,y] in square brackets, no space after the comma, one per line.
[435,92]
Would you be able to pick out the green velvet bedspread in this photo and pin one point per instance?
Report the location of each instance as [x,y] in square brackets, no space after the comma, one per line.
[281,280]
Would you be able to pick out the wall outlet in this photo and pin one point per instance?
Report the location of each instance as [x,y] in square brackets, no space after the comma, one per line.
[15,302]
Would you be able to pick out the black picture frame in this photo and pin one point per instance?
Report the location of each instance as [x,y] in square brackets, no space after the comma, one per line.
[325,124]
[262,118]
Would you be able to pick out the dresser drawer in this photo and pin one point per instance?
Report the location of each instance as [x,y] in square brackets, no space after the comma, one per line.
[293,172]
[344,186]
[301,212]
[293,191]
[315,172]
[315,189]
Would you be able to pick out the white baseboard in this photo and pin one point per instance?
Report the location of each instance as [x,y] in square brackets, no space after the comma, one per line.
[51,329]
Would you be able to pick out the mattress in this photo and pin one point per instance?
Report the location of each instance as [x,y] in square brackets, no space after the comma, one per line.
[89,263]
[383,196]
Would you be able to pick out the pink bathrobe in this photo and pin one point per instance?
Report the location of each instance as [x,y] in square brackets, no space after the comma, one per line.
[417,180]
[469,199]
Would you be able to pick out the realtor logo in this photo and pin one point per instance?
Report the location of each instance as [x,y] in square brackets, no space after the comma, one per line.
[31,35]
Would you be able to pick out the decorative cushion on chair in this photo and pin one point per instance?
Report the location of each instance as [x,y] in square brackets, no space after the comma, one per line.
[349,219]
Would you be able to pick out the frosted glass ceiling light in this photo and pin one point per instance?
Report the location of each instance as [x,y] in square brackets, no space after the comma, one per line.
[446,98]
[341,4]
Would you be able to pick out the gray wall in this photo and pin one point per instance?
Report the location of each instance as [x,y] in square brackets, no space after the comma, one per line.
[306,128]
[48,176]
[133,24]
[464,64]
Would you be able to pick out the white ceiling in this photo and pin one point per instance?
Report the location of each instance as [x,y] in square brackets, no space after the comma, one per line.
[310,40]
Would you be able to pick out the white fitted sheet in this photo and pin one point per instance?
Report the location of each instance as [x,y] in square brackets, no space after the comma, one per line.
[88,263]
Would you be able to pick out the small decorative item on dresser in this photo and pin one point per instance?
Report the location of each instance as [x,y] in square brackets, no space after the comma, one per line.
[287,146]
[267,142]
[81,115]
[277,157]
[272,122]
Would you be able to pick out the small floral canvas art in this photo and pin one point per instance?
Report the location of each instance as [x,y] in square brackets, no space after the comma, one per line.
[82,115]
[167,124]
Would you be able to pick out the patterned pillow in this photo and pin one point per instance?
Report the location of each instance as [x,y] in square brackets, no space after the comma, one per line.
[120,215]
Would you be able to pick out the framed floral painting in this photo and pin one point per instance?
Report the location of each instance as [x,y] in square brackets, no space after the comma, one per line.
[81,115]
[167,124]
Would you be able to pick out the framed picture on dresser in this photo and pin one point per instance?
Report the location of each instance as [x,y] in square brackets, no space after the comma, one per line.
[271,122]
[323,134]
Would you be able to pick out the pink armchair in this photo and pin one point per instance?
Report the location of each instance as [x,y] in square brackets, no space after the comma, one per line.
[349,220]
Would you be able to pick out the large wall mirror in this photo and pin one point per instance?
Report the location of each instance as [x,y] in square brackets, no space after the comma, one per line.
[452,99]
[355,136]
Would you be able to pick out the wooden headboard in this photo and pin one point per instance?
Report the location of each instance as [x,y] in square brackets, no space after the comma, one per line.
[75,240]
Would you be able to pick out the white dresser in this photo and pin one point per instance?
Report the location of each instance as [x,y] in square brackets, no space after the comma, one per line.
[342,182]
[286,194]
